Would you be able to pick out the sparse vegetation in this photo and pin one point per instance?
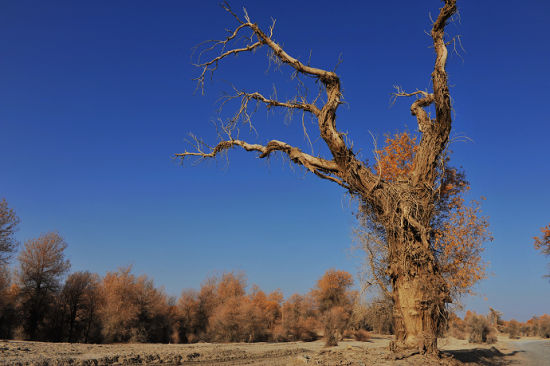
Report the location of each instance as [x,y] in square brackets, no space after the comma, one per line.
[480,328]
[542,242]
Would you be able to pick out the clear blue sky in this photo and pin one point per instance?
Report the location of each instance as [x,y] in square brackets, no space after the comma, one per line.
[96,96]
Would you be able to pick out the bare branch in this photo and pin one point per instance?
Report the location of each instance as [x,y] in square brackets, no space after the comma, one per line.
[353,174]
[291,104]
[417,108]
[212,65]
[399,92]
[326,169]
[372,264]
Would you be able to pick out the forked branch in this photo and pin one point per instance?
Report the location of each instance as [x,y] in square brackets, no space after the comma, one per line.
[435,132]
[344,160]
[418,106]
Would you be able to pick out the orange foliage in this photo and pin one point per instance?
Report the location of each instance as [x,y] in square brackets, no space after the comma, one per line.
[459,244]
[269,305]
[133,309]
[188,321]
[459,228]
[335,303]
[395,160]
[298,320]
[332,290]
[222,311]
[542,242]
[231,285]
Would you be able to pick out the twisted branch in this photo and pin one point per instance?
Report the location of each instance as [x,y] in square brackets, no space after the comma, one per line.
[326,169]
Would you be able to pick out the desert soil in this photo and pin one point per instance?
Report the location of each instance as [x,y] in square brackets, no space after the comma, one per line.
[373,352]
[534,351]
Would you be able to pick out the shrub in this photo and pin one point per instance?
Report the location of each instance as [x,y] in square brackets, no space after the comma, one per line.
[544,326]
[298,320]
[456,327]
[335,321]
[480,329]
[334,301]
[512,328]
[361,335]
[375,316]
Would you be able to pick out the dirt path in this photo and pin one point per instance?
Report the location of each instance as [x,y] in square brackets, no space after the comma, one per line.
[534,352]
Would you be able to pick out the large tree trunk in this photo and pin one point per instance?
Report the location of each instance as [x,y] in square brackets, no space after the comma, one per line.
[419,297]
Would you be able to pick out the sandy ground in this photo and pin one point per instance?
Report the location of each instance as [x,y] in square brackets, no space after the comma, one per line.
[533,351]
[373,352]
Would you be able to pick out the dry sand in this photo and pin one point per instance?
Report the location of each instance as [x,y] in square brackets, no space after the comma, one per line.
[373,352]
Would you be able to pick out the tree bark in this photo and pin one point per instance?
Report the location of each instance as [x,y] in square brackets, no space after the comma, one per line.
[419,297]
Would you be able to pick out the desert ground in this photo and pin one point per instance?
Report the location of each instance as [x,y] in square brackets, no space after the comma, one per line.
[532,351]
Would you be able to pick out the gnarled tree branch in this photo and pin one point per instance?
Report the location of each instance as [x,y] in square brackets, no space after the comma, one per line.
[326,169]
[435,133]
[353,172]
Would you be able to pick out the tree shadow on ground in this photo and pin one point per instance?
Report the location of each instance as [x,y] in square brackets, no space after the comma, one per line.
[483,356]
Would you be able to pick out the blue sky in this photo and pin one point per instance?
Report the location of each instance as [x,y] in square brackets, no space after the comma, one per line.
[96,97]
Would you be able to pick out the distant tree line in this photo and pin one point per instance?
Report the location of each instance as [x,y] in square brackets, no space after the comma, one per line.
[41,300]
[122,307]
[478,328]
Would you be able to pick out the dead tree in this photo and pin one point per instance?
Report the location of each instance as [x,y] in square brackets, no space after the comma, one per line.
[403,208]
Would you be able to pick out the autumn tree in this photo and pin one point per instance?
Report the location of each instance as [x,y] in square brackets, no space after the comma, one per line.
[188,321]
[133,309]
[335,303]
[8,244]
[268,304]
[8,297]
[480,328]
[79,294]
[8,226]
[374,315]
[403,208]
[512,328]
[542,242]
[42,265]
[459,230]
[238,316]
[227,320]
[298,319]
